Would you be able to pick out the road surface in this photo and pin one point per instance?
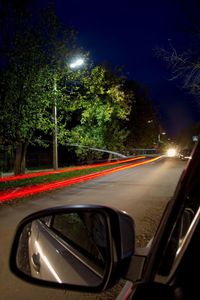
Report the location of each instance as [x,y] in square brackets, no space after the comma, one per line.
[142,191]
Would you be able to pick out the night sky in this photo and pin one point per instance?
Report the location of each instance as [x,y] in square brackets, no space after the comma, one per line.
[124,33]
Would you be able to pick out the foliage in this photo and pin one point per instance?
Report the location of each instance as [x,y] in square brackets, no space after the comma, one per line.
[94,104]
[102,107]
[33,60]
[90,102]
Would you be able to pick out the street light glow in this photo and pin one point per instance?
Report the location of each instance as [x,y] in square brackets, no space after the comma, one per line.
[171,152]
[77,63]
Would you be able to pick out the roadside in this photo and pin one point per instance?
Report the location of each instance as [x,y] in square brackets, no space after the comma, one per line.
[4,176]
[25,185]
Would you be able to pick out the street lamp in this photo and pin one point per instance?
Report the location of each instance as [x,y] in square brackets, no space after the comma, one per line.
[159,139]
[73,65]
[77,63]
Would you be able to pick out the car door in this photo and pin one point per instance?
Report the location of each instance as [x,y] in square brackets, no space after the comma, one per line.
[174,251]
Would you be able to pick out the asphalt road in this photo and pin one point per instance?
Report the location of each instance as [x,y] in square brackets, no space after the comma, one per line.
[142,191]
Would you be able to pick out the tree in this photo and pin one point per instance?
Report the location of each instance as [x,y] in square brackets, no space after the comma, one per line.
[91,102]
[34,59]
[185,67]
[184,60]
[143,124]
[102,107]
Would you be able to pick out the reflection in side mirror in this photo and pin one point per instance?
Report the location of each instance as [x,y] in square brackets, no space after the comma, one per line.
[74,246]
[70,248]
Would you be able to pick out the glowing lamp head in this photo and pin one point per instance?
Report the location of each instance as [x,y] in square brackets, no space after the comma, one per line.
[77,63]
[171,152]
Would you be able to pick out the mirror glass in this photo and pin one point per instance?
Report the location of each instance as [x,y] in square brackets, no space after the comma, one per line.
[70,248]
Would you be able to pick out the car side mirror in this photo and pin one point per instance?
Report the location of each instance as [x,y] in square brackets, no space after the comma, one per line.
[76,247]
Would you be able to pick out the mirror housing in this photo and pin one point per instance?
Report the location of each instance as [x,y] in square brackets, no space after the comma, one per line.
[118,228]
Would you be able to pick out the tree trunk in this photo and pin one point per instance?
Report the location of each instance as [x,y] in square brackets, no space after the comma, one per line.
[110,157]
[20,158]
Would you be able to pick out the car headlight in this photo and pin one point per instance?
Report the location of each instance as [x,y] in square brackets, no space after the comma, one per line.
[171,152]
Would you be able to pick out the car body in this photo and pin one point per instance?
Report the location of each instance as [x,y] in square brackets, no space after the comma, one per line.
[166,268]
[185,154]
[50,249]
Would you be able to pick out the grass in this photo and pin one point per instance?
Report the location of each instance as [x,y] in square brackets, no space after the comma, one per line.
[52,177]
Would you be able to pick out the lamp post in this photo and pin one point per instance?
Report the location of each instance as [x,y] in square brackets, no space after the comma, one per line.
[160,132]
[55,131]
[159,136]
[73,65]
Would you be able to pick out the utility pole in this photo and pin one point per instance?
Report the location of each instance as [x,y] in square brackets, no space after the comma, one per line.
[55,131]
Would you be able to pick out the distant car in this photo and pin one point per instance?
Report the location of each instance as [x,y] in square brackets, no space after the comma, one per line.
[185,154]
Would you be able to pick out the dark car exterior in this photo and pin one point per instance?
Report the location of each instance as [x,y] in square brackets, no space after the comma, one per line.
[185,154]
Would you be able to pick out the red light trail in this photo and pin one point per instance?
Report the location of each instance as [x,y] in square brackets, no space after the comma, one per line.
[44,173]
[39,188]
